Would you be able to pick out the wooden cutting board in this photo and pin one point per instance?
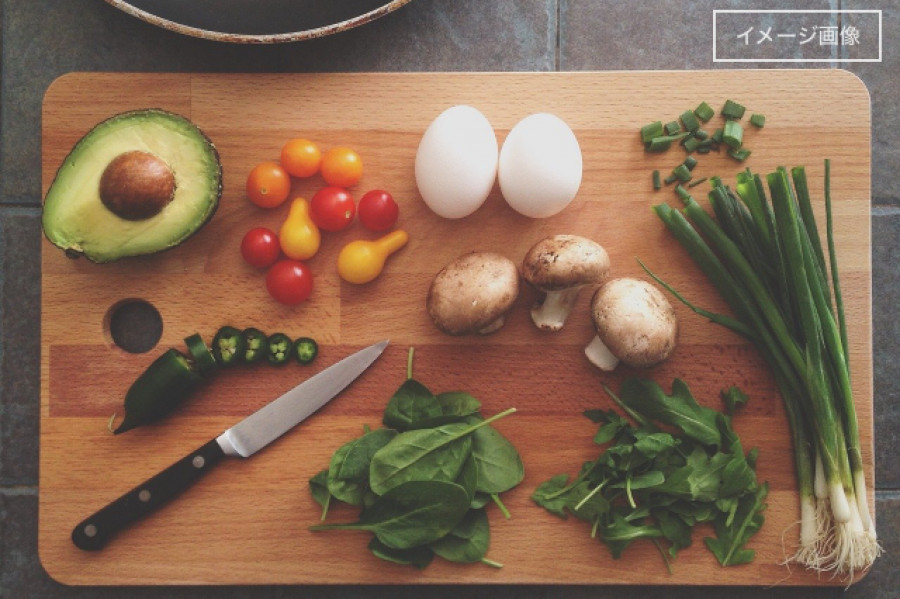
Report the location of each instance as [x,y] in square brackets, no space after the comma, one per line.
[247,522]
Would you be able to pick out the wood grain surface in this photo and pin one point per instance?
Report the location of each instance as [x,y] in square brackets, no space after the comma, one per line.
[247,522]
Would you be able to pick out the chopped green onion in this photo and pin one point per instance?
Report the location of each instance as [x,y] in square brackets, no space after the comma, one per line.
[690,121]
[682,173]
[670,179]
[717,135]
[758,120]
[690,162]
[691,143]
[740,154]
[701,134]
[697,182]
[662,142]
[672,128]
[648,132]
[657,181]
[733,110]
[704,112]
[733,134]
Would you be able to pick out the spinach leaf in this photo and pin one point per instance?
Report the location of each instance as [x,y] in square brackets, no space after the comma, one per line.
[468,477]
[498,463]
[348,472]
[468,541]
[411,514]
[318,486]
[424,454]
[419,557]
[410,405]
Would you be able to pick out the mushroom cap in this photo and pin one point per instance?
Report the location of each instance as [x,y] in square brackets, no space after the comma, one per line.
[472,292]
[563,261]
[635,321]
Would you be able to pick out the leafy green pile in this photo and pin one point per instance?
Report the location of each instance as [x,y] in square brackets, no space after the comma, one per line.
[424,479]
[649,483]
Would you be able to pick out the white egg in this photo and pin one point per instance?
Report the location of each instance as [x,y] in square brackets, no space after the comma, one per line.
[456,162]
[540,166]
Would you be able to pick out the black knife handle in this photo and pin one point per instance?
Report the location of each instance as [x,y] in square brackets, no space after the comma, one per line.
[93,533]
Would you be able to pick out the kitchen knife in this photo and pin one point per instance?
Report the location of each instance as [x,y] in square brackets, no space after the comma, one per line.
[241,440]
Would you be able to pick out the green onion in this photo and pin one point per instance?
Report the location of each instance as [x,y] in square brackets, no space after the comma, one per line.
[758,120]
[682,173]
[657,181]
[733,134]
[648,132]
[672,128]
[691,143]
[704,112]
[690,162]
[661,143]
[740,154]
[764,257]
[733,110]
[690,121]
[697,182]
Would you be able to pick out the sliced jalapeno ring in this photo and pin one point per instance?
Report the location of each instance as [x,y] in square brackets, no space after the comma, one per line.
[254,345]
[200,354]
[305,350]
[228,346]
[279,349]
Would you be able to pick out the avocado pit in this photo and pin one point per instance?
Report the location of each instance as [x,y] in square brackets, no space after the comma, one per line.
[137,185]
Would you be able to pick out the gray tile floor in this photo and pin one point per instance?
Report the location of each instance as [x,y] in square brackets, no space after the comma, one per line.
[42,39]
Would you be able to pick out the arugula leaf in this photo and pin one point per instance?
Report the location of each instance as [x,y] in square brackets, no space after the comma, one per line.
[733,398]
[651,484]
[733,535]
[679,409]
[549,495]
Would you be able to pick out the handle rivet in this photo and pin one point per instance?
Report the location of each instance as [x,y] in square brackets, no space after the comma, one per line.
[198,461]
[90,531]
[144,495]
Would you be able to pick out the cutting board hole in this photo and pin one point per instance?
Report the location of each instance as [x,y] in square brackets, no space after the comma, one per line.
[134,325]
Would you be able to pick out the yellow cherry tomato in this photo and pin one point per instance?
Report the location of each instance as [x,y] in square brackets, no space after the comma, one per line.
[299,236]
[362,261]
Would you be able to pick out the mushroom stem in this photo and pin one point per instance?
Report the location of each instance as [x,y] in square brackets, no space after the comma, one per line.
[600,356]
[550,313]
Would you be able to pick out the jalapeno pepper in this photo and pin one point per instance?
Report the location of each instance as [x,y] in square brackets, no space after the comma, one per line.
[167,382]
[279,349]
[200,354]
[228,346]
[305,350]
[254,345]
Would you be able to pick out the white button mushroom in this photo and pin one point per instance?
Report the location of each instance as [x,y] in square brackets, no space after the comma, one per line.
[635,324]
[560,266]
[473,293]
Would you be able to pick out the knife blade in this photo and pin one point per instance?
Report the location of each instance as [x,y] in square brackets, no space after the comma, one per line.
[241,440]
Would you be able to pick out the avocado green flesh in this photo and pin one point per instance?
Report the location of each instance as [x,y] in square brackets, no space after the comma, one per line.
[74,217]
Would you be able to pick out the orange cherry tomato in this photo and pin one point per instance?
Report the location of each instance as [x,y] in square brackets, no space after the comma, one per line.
[341,167]
[301,157]
[268,185]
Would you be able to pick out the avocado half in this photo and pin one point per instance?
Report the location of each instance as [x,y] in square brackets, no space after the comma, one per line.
[138,183]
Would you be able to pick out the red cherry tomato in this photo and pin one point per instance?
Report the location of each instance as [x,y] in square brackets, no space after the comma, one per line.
[260,247]
[377,210]
[332,208]
[289,281]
